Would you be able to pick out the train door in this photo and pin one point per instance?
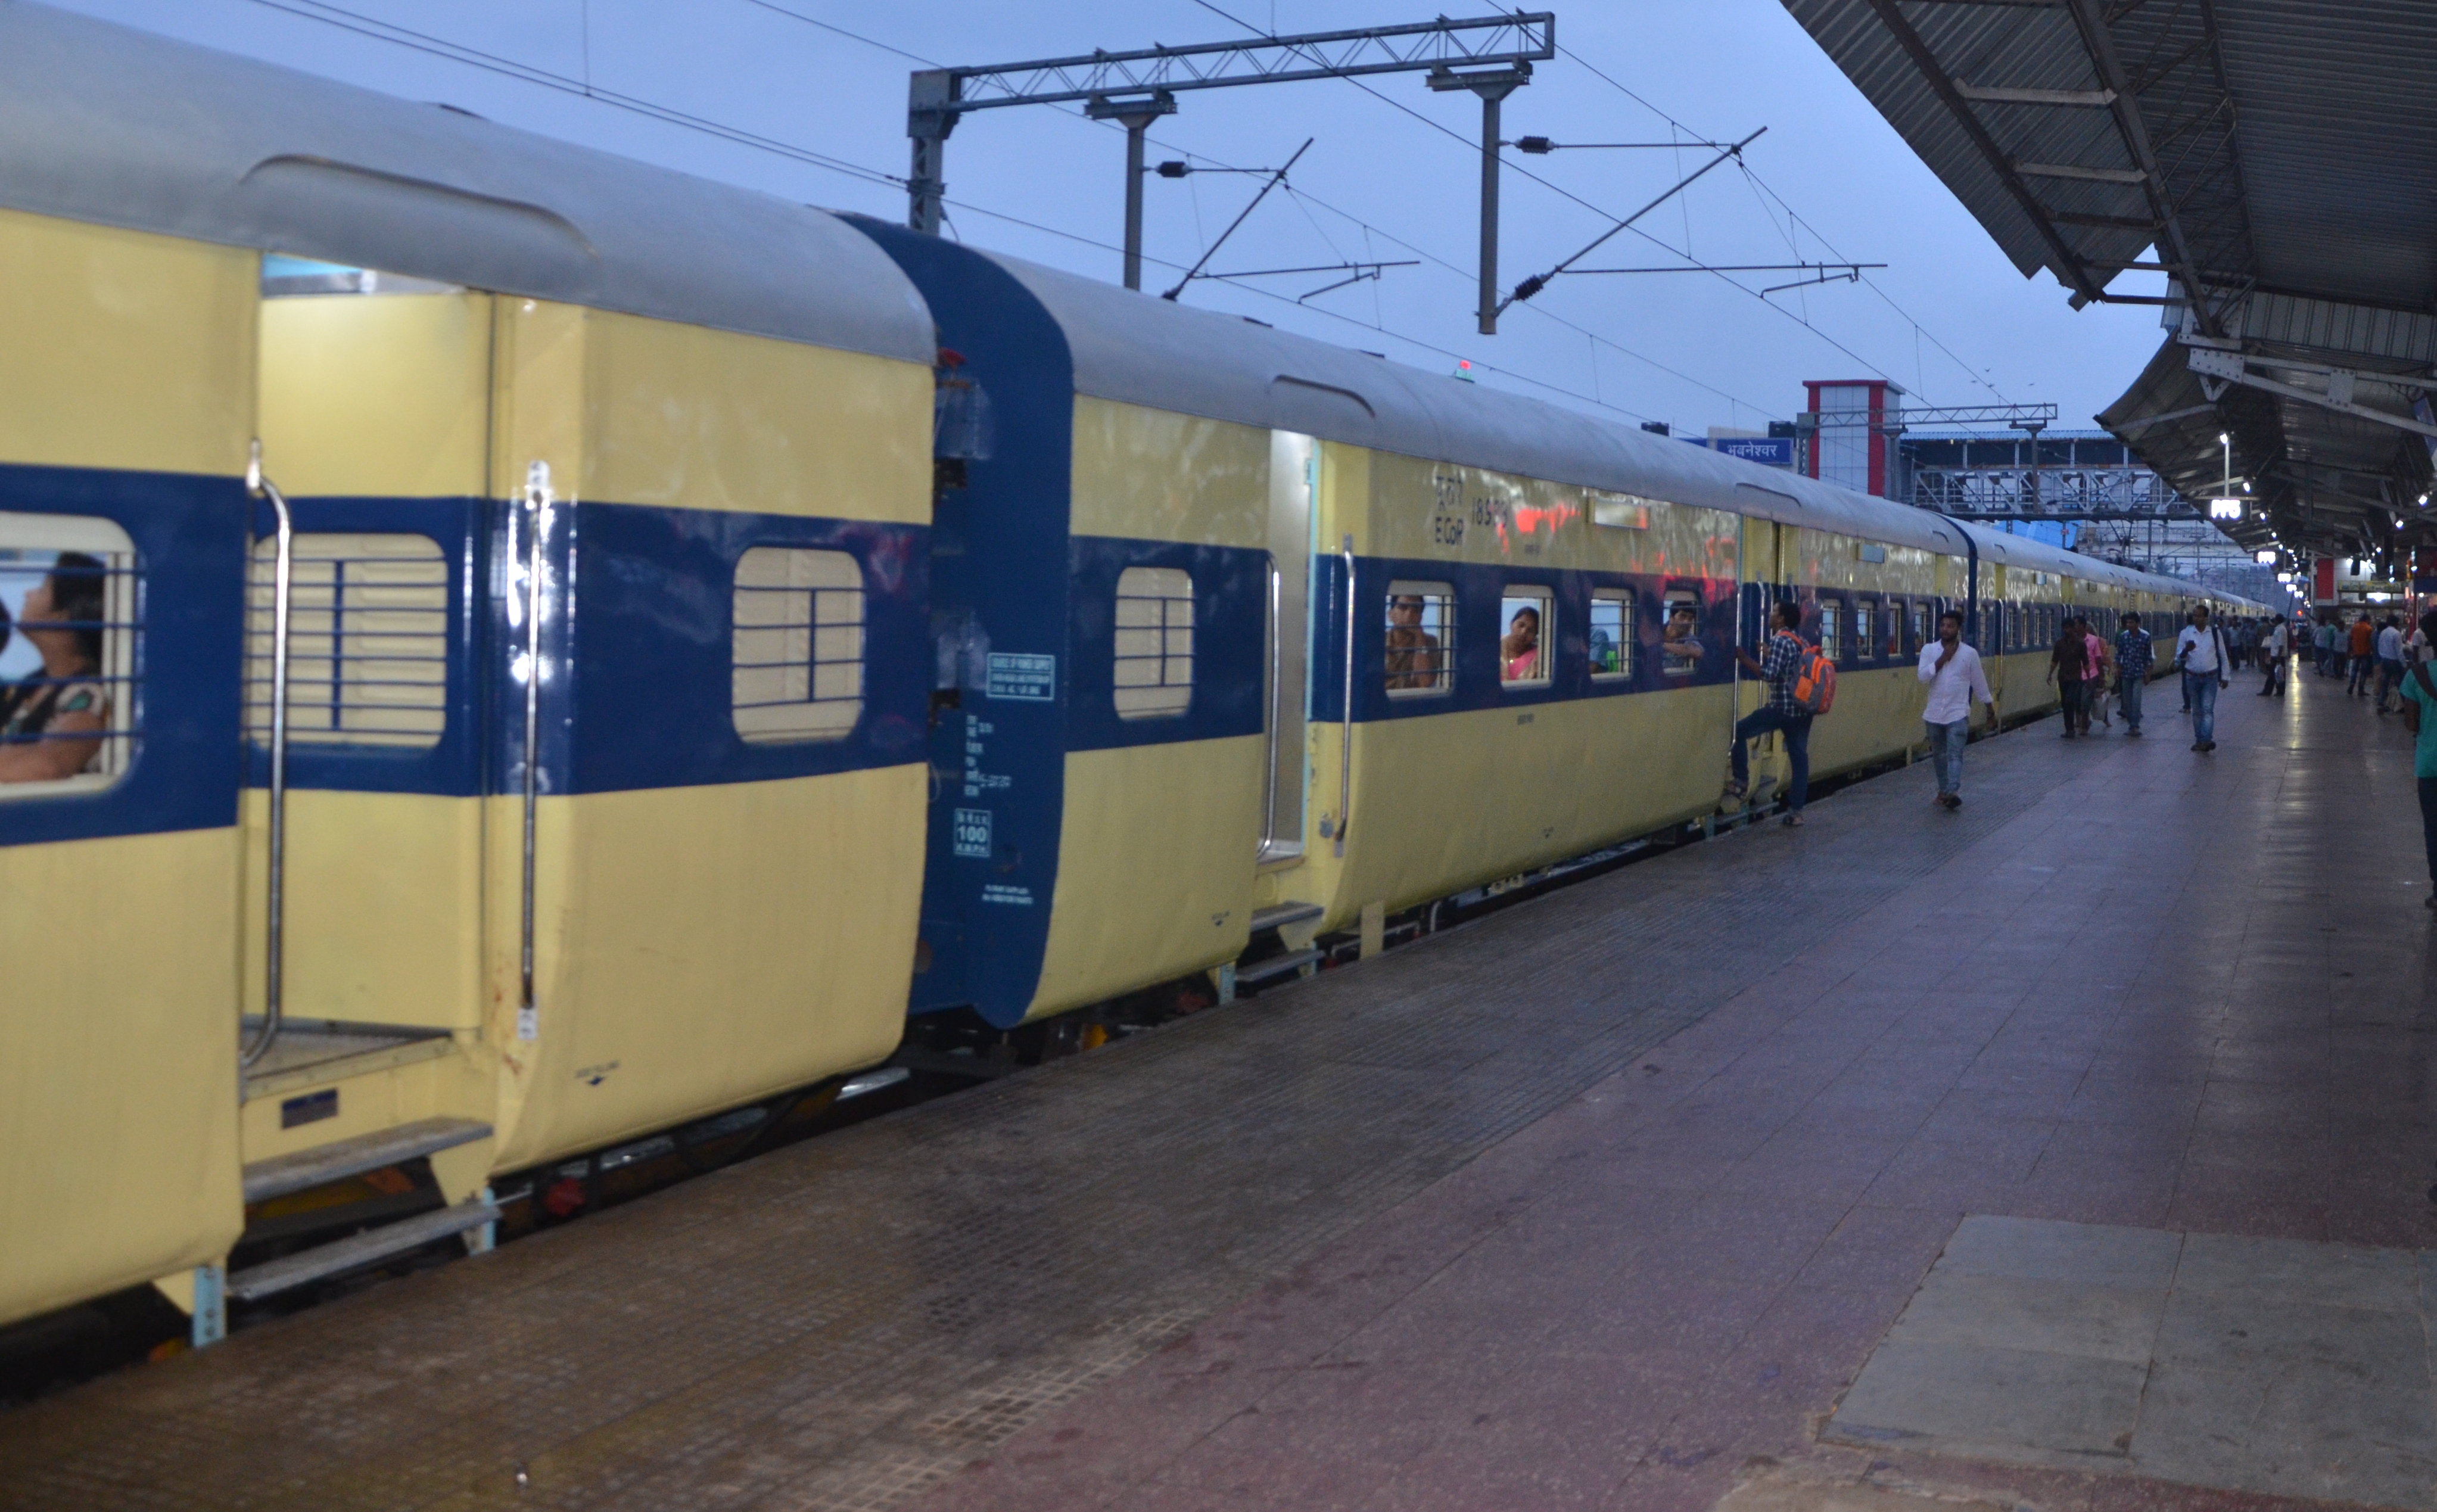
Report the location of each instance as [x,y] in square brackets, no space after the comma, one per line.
[1294,461]
[364,934]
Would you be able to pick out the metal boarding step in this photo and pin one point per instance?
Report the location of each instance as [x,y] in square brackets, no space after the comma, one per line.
[315,1052]
[292,1271]
[283,1174]
[1276,966]
[1278,915]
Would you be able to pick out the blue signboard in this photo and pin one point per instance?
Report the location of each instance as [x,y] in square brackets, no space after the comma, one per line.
[1769,451]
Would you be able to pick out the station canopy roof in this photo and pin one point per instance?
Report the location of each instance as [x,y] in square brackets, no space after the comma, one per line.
[2278,157]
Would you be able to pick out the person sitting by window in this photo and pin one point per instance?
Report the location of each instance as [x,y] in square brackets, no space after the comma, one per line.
[1519,652]
[42,717]
[1681,643]
[1413,660]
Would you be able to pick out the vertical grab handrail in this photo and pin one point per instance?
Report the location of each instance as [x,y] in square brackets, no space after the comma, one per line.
[281,578]
[1345,740]
[1277,664]
[536,507]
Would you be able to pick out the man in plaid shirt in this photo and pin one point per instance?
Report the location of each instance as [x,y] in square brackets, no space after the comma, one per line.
[2132,657]
[1779,663]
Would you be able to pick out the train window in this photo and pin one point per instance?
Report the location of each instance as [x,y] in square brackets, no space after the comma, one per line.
[1421,639]
[1679,641]
[1611,634]
[367,641]
[1866,629]
[796,645]
[1154,666]
[69,703]
[1528,629]
[1832,630]
[1919,625]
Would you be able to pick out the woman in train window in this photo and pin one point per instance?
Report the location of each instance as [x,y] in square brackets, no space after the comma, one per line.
[42,717]
[1520,651]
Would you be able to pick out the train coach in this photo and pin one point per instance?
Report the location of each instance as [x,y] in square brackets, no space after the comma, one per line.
[1243,632]
[510,878]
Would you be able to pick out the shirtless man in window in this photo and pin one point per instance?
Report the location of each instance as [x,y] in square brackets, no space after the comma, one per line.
[42,717]
[1413,658]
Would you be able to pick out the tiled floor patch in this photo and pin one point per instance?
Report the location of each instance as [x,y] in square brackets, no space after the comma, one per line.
[2280,1367]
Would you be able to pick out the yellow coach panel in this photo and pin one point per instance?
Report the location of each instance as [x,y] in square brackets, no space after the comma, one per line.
[700,948]
[703,419]
[124,350]
[1155,475]
[119,1093]
[383,397]
[1154,866]
[118,1038]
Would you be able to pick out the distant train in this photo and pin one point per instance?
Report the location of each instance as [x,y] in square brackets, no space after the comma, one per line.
[512,649]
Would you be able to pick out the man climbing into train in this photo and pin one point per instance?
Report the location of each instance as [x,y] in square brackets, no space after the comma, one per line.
[1779,663]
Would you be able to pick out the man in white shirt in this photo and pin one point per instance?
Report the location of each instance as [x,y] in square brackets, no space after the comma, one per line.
[2199,653]
[1953,671]
[2272,656]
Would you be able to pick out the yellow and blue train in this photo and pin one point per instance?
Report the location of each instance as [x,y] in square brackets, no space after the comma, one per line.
[566,649]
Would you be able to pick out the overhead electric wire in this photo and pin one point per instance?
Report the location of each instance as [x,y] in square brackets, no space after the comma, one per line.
[1566,193]
[491,63]
[1301,201]
[1761,184]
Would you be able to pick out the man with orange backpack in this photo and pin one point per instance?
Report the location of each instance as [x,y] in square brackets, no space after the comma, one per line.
[1783,662]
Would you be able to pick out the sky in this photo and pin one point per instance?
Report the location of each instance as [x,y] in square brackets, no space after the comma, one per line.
[1391,174]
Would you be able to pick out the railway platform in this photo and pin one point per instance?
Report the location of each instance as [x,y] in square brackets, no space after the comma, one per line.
[2070,1151]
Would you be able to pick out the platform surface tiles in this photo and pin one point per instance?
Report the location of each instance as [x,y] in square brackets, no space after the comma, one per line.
[2066,1153]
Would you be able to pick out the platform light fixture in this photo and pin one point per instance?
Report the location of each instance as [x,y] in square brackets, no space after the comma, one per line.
[2265,558]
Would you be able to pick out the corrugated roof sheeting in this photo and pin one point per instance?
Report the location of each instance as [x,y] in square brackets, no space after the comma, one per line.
[2295,142]
[2338,102]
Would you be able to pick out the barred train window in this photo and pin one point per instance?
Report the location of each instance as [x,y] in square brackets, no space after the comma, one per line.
[70,662]
[1421,639]
[797,650]
[1832,638]
[367,641]
[1919,625]
[1154,672]
[1866,629]
[1679,641]
[1611,634]
[1894,630]
[1528,626]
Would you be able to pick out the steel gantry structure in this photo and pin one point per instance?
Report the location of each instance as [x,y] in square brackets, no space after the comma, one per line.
[1491,56]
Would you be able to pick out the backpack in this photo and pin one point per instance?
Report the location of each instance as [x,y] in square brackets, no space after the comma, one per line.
[1815,682]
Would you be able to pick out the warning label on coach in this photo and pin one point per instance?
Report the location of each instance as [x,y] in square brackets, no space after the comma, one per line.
[1024,678]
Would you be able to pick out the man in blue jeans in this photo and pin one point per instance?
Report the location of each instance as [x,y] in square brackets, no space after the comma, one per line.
[1779,663]
[1953,671]
[2200,655]
[2132,655]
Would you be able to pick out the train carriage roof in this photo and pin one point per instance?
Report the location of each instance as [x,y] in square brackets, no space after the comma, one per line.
[1153,352]
[105,124]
